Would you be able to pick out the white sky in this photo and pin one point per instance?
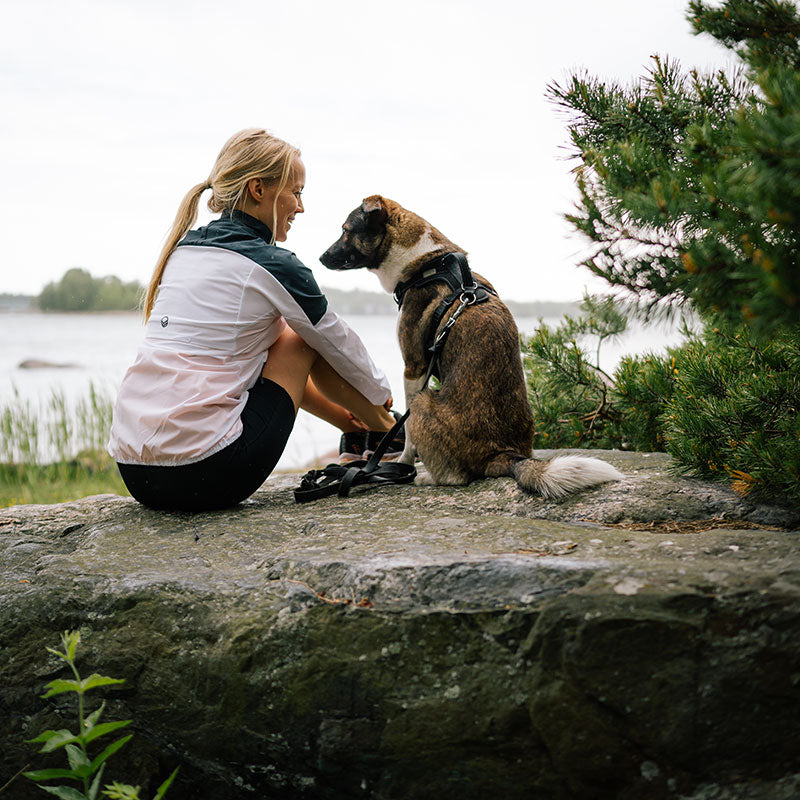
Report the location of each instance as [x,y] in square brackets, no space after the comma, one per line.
[113,109]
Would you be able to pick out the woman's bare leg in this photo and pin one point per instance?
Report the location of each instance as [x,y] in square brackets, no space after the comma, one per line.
[317,404]
[289,364]
[291,361]
[334,387]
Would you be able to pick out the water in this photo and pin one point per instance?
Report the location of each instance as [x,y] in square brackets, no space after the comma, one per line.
[100,347]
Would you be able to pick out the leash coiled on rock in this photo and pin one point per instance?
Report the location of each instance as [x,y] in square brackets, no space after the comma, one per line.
[339,479]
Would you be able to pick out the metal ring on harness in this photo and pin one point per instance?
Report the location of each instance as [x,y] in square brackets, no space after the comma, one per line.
[452,321]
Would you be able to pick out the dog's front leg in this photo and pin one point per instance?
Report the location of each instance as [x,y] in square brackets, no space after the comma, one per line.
[412,389]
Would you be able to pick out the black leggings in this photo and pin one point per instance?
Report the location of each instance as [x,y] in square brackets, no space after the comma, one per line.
[230,475]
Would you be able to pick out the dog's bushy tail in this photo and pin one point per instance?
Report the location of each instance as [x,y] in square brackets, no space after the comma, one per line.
[555,477]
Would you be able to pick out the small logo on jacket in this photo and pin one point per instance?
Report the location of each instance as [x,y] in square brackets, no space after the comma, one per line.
[164,321]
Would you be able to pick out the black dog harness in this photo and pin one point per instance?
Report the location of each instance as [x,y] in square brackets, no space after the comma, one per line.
[452,269]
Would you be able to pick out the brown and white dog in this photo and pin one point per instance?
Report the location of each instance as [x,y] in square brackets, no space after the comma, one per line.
[479,422]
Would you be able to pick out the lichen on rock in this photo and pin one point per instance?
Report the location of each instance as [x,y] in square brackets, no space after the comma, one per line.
[414,642]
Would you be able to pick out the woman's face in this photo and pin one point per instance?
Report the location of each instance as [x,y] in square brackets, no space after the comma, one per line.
[289,202]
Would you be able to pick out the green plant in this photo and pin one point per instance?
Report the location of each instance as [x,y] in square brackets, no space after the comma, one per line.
[724,404]
[55,449]
[577,404]
[734,415]
[689,196]
[83,769]
[689,183]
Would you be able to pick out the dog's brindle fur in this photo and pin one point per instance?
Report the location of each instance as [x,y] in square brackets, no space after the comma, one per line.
[479,424]
[480,421]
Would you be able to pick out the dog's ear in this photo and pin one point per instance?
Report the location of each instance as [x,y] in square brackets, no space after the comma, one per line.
[374,211]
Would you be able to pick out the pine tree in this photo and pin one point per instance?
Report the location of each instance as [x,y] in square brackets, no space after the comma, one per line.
[690,184]
[690,195]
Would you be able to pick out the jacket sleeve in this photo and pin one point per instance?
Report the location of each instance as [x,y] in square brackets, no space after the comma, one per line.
[290,286]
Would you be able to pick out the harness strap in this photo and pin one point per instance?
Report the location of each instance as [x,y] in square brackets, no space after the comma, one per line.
[469,292]
[481,294]
[450,268]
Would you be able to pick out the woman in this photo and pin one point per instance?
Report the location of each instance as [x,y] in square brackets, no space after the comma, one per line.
[201,420]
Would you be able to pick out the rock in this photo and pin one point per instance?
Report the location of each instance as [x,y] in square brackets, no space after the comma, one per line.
[38,363]
[638,640]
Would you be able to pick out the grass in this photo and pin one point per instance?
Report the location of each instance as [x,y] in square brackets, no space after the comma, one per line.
[55,450]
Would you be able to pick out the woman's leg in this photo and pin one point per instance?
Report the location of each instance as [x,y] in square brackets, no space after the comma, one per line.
[334,387]
[289,365]
[291,361]
[317,404]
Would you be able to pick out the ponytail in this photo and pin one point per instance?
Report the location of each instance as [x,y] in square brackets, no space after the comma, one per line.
[251,153]
[184,219]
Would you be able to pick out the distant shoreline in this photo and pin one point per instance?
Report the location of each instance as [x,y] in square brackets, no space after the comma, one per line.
[350,302]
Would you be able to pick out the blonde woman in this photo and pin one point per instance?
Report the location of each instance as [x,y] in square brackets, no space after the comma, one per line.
[238,338]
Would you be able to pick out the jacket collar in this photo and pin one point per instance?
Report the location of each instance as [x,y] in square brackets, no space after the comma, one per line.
[252,223]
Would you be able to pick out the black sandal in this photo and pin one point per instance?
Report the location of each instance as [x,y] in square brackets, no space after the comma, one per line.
[357,445]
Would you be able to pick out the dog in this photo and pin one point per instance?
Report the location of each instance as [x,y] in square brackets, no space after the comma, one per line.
[476,421]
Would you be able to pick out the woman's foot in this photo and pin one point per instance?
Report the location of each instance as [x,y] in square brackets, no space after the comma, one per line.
[357,445]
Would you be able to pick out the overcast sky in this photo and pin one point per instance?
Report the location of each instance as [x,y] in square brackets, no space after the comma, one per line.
[112,110]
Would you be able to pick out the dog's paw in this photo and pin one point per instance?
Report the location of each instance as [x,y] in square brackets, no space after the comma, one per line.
[424,478]
[409,455]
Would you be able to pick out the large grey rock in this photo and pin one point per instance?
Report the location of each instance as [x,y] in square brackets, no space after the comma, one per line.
[422,642]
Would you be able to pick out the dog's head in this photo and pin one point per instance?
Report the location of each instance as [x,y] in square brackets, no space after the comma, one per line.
[385,238]
[363,233]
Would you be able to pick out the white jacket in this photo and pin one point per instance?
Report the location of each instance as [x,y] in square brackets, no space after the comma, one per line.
[225,297]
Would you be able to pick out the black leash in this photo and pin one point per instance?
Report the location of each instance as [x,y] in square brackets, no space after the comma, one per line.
[339,479]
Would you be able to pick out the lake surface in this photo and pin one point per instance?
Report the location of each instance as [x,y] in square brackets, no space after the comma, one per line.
[100,347]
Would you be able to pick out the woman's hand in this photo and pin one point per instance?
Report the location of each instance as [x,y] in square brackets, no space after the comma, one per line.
[357,423]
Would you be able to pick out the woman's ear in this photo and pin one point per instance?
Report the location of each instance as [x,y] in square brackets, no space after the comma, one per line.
[256,189]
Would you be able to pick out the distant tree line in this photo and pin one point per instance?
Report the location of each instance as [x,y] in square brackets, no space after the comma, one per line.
[358,301]
[79,291]
[15,302]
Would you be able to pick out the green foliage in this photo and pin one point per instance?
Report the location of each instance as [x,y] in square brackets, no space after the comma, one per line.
[734,413]
[569,395]
[761,32]
[690,194]
[54,450]
[690,184]
[644,386]
[79,291]
[575,403]
[725,404]
[85,770]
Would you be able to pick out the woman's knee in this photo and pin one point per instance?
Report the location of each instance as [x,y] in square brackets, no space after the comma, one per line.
[289,363]
[291,341]
[291,351]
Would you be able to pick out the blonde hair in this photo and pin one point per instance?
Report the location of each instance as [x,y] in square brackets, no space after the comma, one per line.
[251,153]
